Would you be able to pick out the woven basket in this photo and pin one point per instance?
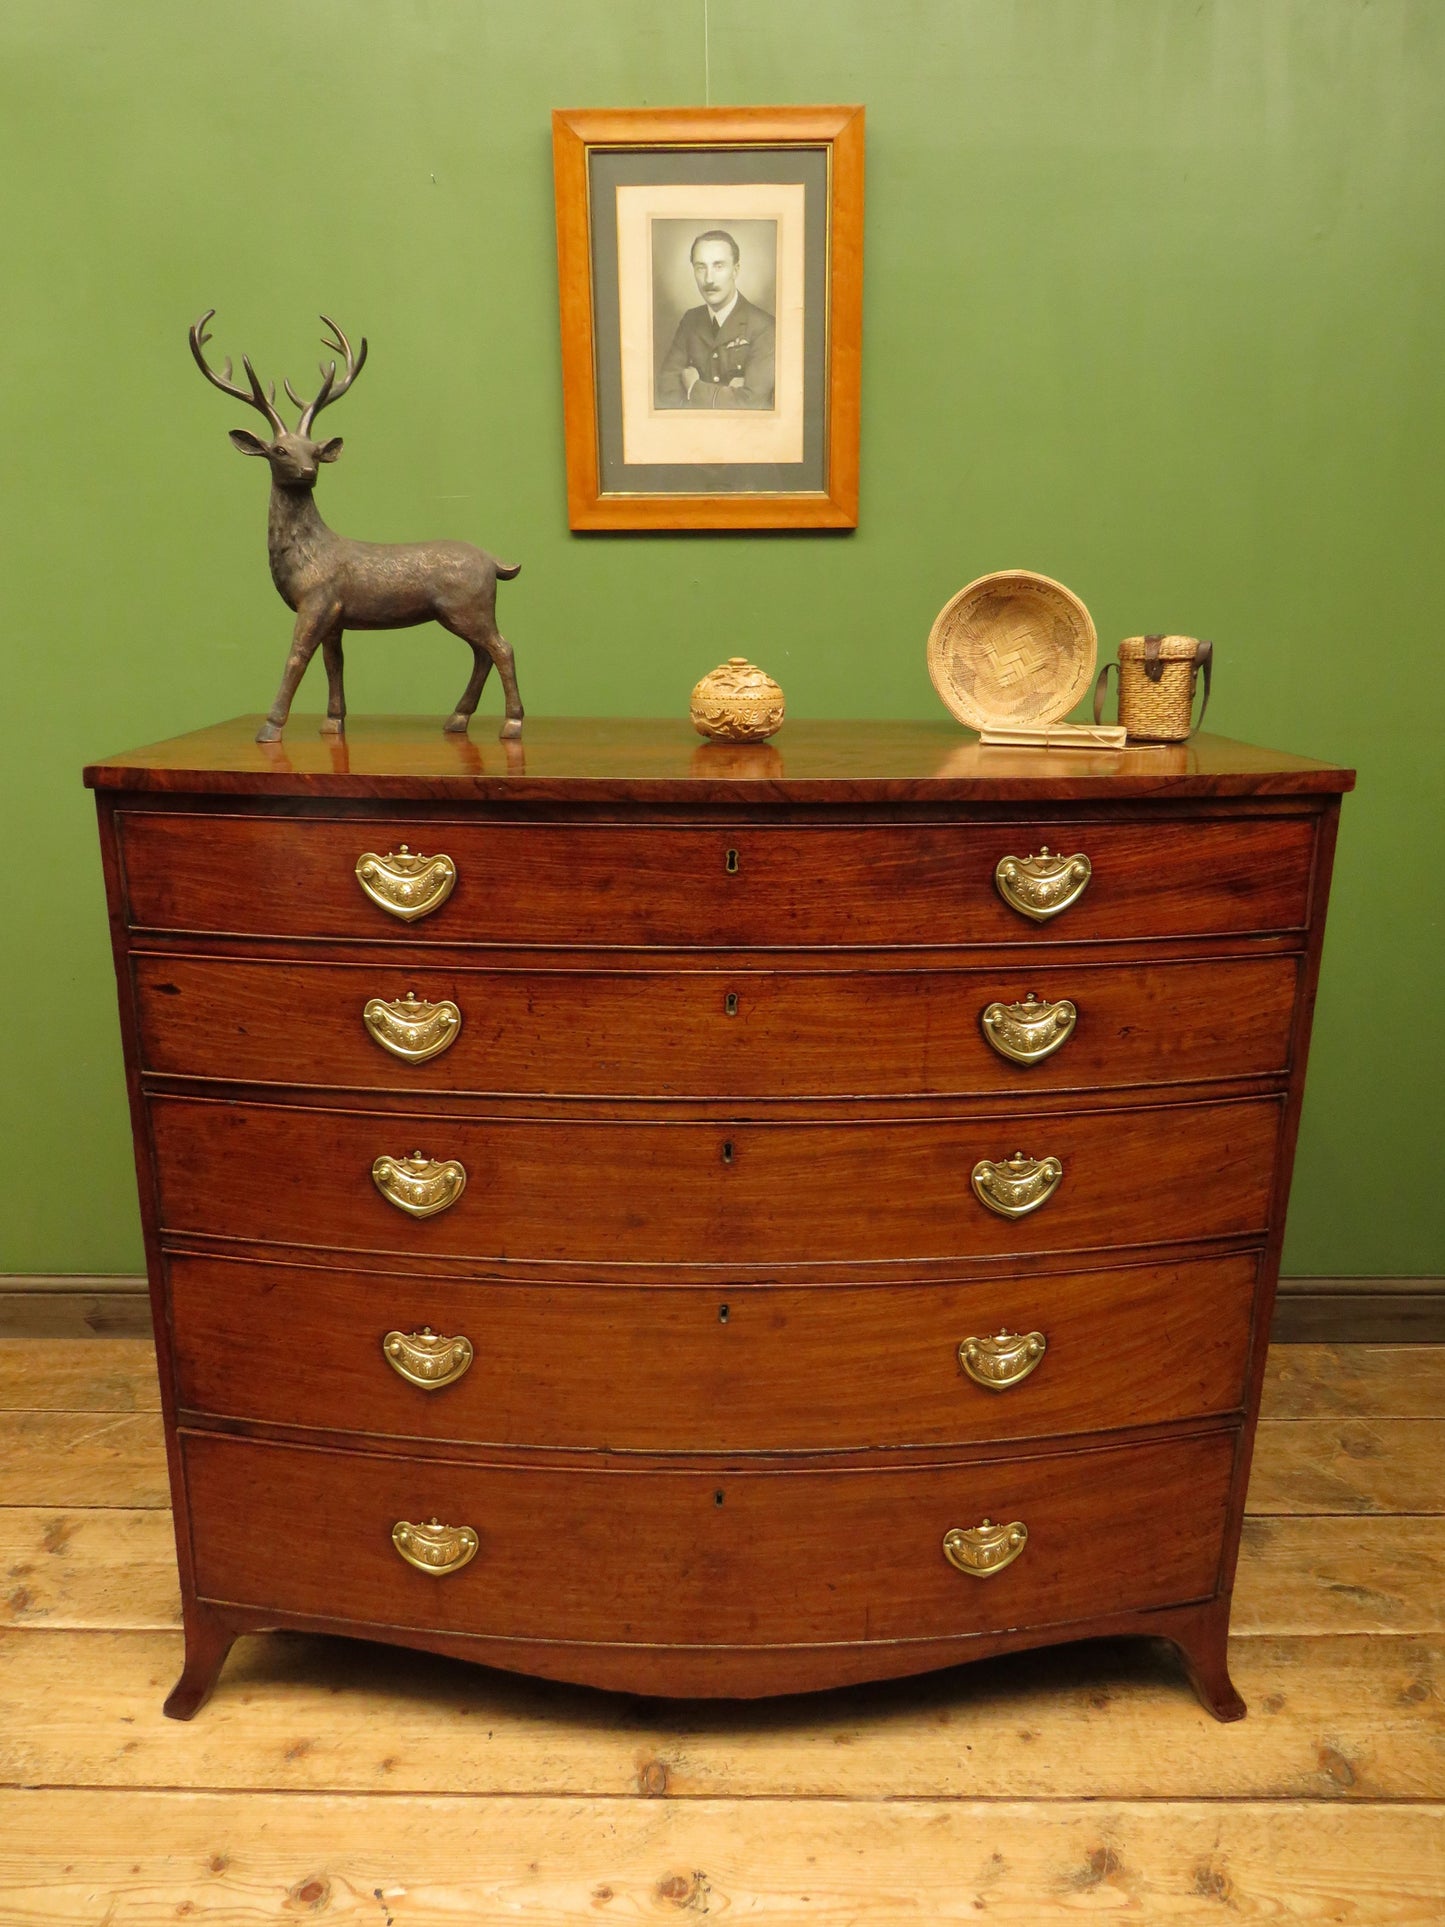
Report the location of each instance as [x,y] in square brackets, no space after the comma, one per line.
[1012,648]
[1156,686]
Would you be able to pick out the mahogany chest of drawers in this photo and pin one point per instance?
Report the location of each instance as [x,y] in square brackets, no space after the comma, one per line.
[712,1221]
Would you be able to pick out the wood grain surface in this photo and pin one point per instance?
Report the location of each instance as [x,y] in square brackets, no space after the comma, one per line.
[696,1195]
[754,1573]
[326,1769]
[714,1033]
[759,1369]
[55,1459]
[1337,1720]
[597,760]
[1318,1577]
[734,1558]
[1355,1381]
[429,1862]
[536,882]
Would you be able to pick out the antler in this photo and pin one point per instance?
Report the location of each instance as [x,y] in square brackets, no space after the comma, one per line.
[331,389]
[257,398]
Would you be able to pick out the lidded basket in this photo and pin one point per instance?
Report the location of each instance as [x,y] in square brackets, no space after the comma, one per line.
[737,703]
[1156,686]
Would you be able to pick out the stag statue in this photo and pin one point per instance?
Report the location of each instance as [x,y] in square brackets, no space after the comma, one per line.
[335,584]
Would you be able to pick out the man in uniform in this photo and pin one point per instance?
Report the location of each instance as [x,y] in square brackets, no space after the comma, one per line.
[722,353]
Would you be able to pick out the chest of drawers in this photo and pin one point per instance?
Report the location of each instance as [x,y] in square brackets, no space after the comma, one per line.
[712,1221]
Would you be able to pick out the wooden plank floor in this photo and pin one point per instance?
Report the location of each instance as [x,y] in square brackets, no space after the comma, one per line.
[360,1783]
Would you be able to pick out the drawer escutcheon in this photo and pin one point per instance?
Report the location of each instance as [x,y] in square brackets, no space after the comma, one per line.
[1041,886]
[419,1185]
[410,1028]
[434,1548]
[1018,1185]
[981,1551]
[426,1358]
[404,884]
[1002,1361]
[1029,1032]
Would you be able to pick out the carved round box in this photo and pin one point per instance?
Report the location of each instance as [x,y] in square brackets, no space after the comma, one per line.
[737,703]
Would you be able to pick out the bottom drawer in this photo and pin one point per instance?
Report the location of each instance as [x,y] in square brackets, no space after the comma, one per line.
[727,1558]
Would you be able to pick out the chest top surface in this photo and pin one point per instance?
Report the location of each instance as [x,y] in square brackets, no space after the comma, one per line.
[661,761]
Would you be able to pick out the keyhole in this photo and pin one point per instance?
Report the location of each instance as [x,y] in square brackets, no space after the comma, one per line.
[717,1498]
[731,866]
[722,1314]
[727,1150]
[730,1004]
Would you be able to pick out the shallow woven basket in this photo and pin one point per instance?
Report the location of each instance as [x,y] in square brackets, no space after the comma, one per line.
[1012,648]
[1156,686]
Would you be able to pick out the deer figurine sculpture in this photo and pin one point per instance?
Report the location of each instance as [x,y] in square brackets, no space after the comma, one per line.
[335,584]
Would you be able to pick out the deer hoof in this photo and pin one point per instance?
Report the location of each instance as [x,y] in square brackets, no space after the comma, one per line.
[456,725]
[511,730]
[334,726]
[269,733]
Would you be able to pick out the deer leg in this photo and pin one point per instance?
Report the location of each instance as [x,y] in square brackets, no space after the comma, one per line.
[335,724]
[507,670]
[312,626]
[478,627]
[457,722]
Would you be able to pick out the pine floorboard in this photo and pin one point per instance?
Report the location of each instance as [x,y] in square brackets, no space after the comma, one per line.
[357,1782]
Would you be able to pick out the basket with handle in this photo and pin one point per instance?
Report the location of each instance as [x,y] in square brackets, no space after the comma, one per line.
[1156,686]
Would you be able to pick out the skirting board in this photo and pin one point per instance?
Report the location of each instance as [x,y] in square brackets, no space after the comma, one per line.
[1308,1311]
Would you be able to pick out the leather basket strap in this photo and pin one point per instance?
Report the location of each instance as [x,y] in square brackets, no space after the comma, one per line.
[1153,661]
[1100,688]
[1204,656]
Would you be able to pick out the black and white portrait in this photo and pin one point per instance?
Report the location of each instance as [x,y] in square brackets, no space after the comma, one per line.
[714,299]
[709,269]
[720,328]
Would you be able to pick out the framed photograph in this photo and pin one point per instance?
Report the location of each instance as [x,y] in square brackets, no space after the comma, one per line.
[711,271]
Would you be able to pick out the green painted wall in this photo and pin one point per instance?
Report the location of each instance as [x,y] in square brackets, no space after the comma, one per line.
[1153,304]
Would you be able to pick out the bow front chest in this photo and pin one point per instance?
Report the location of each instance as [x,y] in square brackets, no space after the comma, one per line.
[707,1220]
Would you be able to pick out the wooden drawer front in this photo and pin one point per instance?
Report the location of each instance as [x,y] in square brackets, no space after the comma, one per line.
[714,1033]
[728,1558]
[685,1369]
[714,1194]
[571,884]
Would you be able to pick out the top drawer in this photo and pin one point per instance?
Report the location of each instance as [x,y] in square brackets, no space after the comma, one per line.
[755,884]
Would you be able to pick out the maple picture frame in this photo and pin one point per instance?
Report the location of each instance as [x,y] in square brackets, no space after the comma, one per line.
[637,190]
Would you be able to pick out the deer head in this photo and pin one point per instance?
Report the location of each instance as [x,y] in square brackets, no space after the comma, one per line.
[293,455]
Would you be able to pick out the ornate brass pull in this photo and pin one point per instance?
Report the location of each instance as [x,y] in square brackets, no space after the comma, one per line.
[435,1548]
[418,1185]
[981,1551]
[405,885]
[1041,886]
[411,1029]
[1029,1032]
[1018,1186]
[1001,1361]
[427,1359]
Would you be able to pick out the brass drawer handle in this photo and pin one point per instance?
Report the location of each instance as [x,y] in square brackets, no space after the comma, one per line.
[1039,887]
[419,1185]
[435,1548]
[1017,1186]
[406,885]
[427,1359]
[981,1551]
[411,1029]
[1029,1032]
[1002,1361]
